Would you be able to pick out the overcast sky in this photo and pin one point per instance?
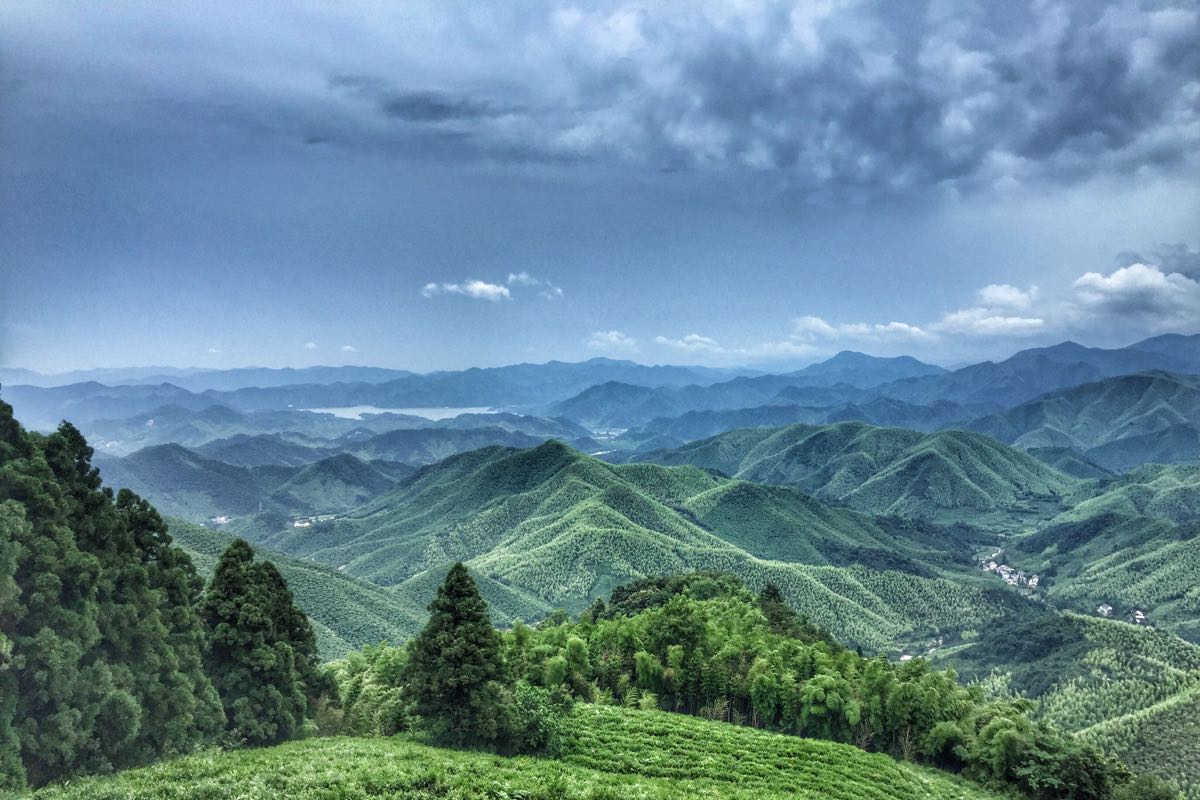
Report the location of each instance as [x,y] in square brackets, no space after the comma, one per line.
[442,185]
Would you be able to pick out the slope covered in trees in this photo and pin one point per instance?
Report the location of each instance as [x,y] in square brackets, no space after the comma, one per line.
[882,470]
[560,528]
[1129,689]
[1118,423]
[1130,563]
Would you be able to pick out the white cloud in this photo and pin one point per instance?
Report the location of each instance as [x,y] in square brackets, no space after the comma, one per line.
[522,279]
[310,345]
[692,343]
[612,340]
[212,351]
[349,348]
[1138,294]
[476,289]
[810,328]
[986,322]
[1002,295]
[699,344]
[495,292]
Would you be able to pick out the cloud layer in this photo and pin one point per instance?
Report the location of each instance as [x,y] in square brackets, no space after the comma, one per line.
[850,95]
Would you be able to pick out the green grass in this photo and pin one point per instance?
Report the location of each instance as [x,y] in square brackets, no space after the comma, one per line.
[610,754]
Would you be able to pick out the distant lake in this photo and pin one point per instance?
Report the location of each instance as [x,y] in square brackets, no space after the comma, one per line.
[357,412]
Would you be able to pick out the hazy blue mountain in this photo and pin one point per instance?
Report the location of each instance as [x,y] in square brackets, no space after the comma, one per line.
[880,411]
[184,484]
[265,449]
[864,371]
[44,408]
[1039,370]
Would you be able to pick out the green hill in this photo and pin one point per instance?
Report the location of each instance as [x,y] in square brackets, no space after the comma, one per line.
[882,470]
[184,484]
[1131,690]
[346,613]
[1163,491]
[1131,563]
[1118,422]
[333,485]
[610,753]
[265,449]
[549,527]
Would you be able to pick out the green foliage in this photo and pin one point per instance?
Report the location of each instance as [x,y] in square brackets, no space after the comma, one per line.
[595,526]
[1116,423]
[1130,690]
[722,657]
[608,753]
[100,647]
[261,650]
[882,470]
[345,613]
[455,667]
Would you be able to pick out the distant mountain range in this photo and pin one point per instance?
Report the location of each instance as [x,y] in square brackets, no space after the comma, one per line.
[184,484]
[1058,401]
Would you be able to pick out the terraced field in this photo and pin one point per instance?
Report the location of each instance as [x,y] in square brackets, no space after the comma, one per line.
[611,753]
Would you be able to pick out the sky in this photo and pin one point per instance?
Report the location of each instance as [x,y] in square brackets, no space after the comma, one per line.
[438,185]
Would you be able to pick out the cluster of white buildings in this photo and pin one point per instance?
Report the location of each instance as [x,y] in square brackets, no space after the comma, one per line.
[306,522]
[1013,577]
[1135,616]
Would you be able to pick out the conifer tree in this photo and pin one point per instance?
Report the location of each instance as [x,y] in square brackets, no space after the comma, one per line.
[252,657]
[89,659]
[455,666]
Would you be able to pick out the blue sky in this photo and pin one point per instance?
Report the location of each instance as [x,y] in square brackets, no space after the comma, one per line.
[439,185]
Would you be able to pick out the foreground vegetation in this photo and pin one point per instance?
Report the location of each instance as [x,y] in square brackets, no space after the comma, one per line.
[610,753]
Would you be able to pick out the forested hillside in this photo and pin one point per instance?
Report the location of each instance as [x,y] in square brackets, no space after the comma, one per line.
[1118,423]
[591,526]
[882,470]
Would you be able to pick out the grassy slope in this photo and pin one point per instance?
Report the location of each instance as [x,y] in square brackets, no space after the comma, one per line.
[1163,491]
[611,753]
[548,526]
[881,470]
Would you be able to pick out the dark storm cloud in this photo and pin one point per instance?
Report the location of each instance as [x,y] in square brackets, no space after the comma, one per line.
[854,95]
[1175,257]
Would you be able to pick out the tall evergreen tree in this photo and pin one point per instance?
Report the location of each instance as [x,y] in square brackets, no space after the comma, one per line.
[455,666]
[87,657]
[260,648]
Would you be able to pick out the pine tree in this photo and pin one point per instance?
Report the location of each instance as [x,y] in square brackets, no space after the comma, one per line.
[254,635]
[88,659]
[455,666]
